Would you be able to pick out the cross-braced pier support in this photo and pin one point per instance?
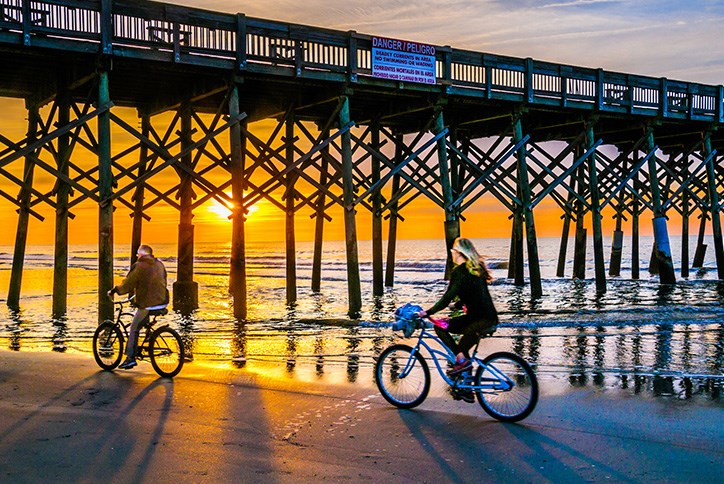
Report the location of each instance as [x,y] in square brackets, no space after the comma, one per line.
[24,212]
[185,289]
[354,290]
[237,261]
[105,204]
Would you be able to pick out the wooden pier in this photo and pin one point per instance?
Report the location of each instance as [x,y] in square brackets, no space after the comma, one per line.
[343,136]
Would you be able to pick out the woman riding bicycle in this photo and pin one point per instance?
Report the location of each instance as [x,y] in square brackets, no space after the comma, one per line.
[468,287]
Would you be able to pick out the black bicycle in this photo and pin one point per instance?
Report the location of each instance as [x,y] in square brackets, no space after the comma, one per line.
[162,345]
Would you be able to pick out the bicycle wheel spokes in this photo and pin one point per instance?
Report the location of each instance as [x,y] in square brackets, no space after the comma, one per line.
[403,379]
[107,345]
[511,387]
[166,352]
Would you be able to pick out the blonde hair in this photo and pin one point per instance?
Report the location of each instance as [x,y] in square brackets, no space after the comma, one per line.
[473,261]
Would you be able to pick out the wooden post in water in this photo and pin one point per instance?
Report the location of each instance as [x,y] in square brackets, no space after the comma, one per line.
[661,234]
[614,268]
[452,223]
[563,251]
[685,211]
[62,190]
[714,206]
[319,220]
[139,192]
[237,263]
[516,265]
[105,206]
[354,288]
[701,247]
[377,269]
[392,232]
[635,210]
[580,244]
[600,265]
[21,233]
[536,289]
[291,178]
[185,289]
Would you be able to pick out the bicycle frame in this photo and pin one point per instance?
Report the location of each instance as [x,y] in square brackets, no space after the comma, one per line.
[140,345]
[500,381]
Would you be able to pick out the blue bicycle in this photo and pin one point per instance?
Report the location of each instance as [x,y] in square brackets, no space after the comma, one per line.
[504,383]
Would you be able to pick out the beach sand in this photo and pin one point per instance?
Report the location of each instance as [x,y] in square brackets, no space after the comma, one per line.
[65,420]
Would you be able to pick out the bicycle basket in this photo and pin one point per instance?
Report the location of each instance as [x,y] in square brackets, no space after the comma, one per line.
[406,319]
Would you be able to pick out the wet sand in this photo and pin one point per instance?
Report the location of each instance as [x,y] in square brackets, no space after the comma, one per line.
[64,420]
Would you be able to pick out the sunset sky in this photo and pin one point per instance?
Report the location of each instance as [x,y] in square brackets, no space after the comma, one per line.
[662,38]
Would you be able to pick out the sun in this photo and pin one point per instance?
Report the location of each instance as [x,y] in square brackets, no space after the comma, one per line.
[223,211]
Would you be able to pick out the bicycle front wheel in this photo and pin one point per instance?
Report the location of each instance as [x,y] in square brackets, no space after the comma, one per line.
[402,378]
[166,352]
[511,391]
[108,345]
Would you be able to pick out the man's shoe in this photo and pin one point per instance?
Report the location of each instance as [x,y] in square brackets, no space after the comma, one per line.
[128,364]
[460,367]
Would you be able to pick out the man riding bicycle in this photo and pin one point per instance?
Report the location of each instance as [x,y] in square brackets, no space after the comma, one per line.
[147,280]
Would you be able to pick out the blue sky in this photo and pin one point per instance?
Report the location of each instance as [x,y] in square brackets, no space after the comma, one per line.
[678,39]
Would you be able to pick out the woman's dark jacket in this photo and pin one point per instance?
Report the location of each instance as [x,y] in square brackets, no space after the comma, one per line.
[472,291]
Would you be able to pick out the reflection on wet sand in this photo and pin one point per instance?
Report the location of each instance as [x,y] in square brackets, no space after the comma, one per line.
[681,360]
[15,329]
[238,344]
[60,335]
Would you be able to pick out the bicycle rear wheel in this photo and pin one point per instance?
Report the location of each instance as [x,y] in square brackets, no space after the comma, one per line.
[403,379]
[108,345]
[166,352]
[515,387]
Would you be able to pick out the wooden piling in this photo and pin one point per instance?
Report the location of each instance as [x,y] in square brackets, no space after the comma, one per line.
[714,205]
[685,211]
[237,262]
[291,257]
[580,243]
[536,290]
[377,269]
[185,289]
[701,247]
[62,191]
[635,210]
[354,289]
[452,224]
[516,264]
[319,219]
[24,197]
[599,263]
[392,230]
[105,206]
[614,268]
[563,250]
[661,235]
[139,192]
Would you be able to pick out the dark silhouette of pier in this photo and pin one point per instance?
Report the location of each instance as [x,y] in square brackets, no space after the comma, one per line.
[343,136]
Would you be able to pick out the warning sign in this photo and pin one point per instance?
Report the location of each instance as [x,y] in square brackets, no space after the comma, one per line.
[400,60]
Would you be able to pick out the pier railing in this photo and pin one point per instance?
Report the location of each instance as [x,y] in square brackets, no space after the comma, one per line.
[171,33]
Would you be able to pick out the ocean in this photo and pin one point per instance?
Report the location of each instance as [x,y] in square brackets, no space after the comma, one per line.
[638,337]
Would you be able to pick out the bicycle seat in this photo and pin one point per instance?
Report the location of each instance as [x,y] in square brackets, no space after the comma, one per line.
[158,312]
